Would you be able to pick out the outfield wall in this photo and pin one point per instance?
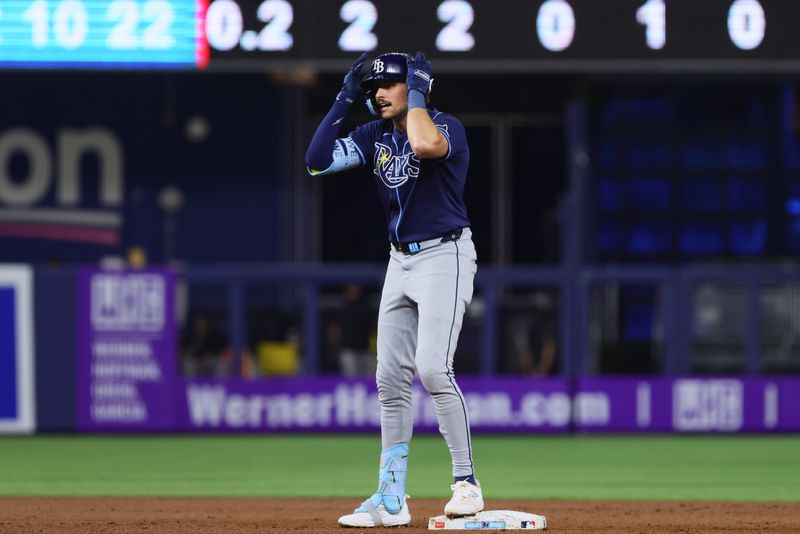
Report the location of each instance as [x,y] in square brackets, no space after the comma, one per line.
[107,362]
[498,405]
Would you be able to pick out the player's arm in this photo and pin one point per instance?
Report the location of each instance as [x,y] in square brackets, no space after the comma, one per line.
[425,138]
[326,153]
[345,155]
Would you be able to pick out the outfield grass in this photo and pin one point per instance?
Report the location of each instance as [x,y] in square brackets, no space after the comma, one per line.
[746,468]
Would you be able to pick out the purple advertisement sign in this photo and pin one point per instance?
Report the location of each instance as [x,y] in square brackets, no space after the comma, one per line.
[690,404]
[499,405]
[335,404]
[126,350]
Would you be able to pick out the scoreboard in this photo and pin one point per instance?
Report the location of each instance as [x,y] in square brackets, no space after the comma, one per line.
[101,34]
[458,35]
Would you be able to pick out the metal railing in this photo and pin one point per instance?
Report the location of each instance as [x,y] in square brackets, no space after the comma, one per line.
[676,285]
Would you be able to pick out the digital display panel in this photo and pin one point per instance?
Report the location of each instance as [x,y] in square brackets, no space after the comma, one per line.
[102,33]
[511,35]
[459,35]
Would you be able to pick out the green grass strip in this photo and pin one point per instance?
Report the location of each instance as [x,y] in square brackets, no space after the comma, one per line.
[739,468]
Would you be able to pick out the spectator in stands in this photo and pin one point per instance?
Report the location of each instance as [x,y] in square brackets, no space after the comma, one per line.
[539,355]
[351,333]
[203,348]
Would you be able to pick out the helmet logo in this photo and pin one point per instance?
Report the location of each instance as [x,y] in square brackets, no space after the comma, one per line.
[377,66]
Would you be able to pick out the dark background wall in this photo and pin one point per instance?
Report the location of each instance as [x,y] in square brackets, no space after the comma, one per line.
[215,138]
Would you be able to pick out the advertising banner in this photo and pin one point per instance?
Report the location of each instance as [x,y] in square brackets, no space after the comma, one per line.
[507,405]
[17,409]
[126,350]
[335,404]
[691,404]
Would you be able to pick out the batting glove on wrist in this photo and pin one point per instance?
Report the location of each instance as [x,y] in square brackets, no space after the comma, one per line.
[351,88]
[419,74]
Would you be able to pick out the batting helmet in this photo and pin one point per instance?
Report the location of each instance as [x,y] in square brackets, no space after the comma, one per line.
[392,67]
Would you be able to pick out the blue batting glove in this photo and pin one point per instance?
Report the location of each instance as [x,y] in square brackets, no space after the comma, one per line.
[419,74]
[351,87]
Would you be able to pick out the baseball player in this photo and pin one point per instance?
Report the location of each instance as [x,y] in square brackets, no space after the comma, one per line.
[419,157]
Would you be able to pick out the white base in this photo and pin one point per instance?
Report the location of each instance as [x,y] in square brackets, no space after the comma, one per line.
[490,520]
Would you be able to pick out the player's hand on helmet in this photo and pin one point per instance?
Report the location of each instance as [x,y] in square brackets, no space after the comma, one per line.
[419,75]
[351,87]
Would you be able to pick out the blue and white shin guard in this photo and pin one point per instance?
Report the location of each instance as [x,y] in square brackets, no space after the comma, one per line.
[392,481]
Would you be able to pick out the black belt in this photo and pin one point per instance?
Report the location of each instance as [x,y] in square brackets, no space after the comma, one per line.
[414,247]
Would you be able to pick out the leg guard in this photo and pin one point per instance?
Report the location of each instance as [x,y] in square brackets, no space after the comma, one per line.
[392,480]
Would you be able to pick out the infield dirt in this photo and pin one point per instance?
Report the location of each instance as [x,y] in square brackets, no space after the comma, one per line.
[227,515]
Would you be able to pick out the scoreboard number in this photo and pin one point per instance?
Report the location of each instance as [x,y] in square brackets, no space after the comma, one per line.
[225,27]
[358,36]
[653,15]
[458,17]
[555,25]
[746,24]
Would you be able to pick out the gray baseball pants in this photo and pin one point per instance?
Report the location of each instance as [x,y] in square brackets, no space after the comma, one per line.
[422,307]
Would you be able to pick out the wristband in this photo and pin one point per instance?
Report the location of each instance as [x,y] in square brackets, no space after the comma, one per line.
[415,99]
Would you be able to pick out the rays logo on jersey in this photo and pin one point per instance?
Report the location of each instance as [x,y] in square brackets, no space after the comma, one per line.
[394,170]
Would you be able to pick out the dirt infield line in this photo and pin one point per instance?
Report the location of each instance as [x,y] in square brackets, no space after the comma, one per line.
[248,515]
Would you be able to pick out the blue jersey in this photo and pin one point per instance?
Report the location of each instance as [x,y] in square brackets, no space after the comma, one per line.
[423,199]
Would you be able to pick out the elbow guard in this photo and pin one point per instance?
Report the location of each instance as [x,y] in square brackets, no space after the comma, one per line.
[346,155]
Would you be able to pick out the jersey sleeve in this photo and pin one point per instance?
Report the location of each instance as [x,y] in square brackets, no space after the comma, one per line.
[348,152]
[453,131]
[364,139]
[345,156]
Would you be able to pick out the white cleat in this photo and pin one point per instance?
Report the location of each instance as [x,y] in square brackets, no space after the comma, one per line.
[376,516]
[467,500]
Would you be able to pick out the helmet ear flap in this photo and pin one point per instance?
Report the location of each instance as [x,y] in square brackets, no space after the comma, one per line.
[372,105]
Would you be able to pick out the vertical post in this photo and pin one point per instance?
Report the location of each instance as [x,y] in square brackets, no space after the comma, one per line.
[753,337]
[236,325]
[489,337]
[567,327]
[573,220]
[301,237]
[669,297]
[311,329]
[573,245]
[684,320]
[581,364]
[501,207]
